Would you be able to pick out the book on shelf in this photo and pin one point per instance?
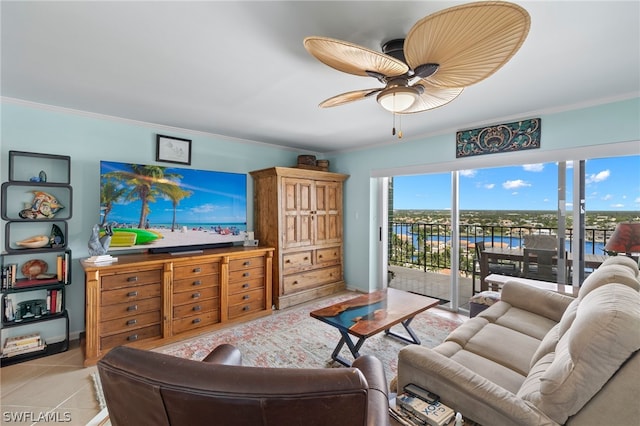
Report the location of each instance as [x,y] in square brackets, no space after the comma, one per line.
[434,414]
[23,344]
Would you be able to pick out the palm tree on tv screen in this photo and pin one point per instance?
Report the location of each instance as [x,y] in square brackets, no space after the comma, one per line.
[145,183]
[174,193]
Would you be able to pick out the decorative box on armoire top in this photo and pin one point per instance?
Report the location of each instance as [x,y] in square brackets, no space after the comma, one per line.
[299,212]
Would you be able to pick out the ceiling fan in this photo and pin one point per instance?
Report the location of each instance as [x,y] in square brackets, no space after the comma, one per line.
[441,55]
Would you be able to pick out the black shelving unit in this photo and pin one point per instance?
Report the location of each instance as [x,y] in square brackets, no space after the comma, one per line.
[30,175]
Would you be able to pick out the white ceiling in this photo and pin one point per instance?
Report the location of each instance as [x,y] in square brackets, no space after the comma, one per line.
[239,68]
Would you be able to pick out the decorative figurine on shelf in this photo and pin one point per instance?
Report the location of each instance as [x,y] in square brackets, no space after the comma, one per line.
[43,206]
[98,245]
[42,177]
[56,238]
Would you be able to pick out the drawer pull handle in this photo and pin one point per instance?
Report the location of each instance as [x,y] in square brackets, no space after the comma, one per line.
[132,308]
[246,297]
[287,261]
[195,295]
[197,282]
[246,308]
[295,282]
[307,258]
[196,320]
[197,308]
[132,322]
[132,337]
[246,274]
[320,256]
[132,279]
[132,294]
[247,263]
[245,285]
[197,270]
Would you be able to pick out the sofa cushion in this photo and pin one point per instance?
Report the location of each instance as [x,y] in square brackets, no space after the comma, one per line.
[526,322]
[568,317]
[504,346]
[603,335]
[607,274]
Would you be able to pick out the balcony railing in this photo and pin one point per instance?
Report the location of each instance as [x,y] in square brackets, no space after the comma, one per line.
[427,246]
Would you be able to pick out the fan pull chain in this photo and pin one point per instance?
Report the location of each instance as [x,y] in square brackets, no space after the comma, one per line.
[393,130]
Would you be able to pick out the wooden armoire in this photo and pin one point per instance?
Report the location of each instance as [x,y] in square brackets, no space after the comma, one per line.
[299,212]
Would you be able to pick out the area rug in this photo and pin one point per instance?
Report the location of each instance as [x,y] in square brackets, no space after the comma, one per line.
[292,338]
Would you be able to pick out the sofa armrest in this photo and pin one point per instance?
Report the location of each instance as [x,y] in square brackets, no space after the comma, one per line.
[460,388]
[378,396]
[546,303]
[225,354]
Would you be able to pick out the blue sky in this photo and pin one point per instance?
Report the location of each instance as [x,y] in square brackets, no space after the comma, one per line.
[612,184]
[216,197]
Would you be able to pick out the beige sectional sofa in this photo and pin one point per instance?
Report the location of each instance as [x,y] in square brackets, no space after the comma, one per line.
[542,358]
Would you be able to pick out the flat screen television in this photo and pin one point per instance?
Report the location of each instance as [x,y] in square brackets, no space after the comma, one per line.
[170,209]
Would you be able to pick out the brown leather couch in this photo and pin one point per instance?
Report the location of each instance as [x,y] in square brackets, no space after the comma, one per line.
[148,388]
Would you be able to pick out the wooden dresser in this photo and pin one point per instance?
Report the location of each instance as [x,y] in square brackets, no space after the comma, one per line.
[299,212]
[148,300]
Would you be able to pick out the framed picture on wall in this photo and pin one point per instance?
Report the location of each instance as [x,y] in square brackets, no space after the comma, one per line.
[173,150]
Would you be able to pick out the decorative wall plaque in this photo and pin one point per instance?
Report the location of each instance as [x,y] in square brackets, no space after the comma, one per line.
[509,137]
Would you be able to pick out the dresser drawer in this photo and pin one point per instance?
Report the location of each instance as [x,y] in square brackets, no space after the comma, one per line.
[246,285]
[190,284]
[296,261]
[246,297]
[129,336]
[195,295]
[133,322]
[248,307]
[248,263]
[198,307]
[309,279]
[127,279]
[130,294]
[133,307]
[328,255]
[200,320]
[195,270]
[245,275]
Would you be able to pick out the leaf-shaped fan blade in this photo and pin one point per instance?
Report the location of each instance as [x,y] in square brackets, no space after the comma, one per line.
[432,97]
[353,59]
[470,42]
[347,97]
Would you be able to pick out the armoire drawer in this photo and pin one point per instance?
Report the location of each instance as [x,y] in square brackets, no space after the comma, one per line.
[328,255]
[297,260]
[313,278]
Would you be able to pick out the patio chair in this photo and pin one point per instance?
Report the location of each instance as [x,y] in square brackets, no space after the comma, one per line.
[495,267]
[540,264]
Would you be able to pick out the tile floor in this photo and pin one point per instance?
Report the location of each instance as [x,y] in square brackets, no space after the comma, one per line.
[56,388]
[59,388]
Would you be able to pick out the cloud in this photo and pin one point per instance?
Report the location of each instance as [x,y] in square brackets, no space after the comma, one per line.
[467,173]
[514,184]
[514,193]
[617,206]
[538,167]
[490,185]
[607,197]
[598,177]
[638,200]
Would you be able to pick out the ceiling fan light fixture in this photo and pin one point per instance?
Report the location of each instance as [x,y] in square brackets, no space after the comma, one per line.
[397,99]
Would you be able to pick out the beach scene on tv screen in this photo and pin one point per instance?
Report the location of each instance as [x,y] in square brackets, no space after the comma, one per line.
[151,206]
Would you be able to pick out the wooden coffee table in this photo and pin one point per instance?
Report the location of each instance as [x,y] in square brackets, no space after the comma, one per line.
[369,314]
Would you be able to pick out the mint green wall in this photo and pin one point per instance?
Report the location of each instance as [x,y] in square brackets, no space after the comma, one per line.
[606,124]
[89,139]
